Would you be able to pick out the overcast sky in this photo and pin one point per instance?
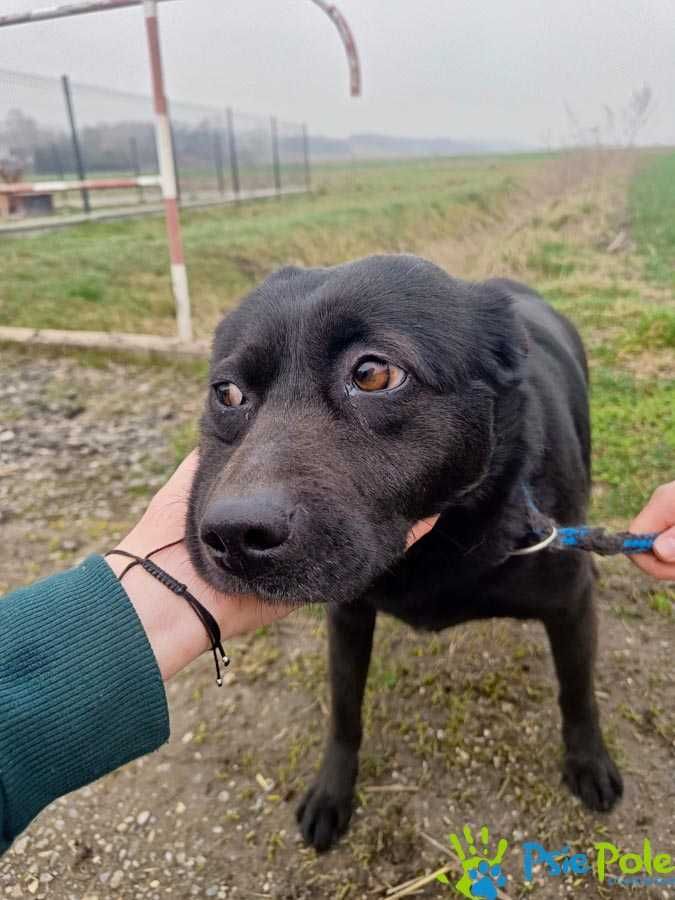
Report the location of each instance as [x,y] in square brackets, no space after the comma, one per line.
[451,68]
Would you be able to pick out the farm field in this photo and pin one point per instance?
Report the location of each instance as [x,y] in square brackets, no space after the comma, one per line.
[456,723]
[114,276]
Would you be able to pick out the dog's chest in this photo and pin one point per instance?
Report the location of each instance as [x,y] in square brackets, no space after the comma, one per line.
[432,600]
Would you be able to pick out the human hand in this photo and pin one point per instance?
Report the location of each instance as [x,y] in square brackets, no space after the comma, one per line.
[174,631]
[658,515]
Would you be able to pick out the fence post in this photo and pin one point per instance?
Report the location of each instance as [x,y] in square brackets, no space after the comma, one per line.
[136,164]
[77,150]
[305,153]
[275,154]
[218,159]
[167,169]
[234,162]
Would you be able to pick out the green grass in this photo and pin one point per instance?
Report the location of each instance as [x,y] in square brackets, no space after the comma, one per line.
[633,416]
[652,201]
[633,439]
[551,259]
[114,276]
[630,339]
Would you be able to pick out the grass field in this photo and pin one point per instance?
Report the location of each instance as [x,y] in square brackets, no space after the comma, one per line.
[114,276]
[460,726]
[625,308]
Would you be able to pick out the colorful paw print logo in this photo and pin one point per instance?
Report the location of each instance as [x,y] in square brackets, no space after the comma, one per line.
[483,876]
[487,880]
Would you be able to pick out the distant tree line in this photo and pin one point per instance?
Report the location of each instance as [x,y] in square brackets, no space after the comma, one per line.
[129,146]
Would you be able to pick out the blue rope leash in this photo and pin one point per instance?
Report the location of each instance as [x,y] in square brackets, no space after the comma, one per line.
[581,537]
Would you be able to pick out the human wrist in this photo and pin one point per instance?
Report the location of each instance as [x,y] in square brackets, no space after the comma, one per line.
[174,632]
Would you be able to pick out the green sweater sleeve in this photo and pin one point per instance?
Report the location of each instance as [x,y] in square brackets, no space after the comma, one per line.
[80,690]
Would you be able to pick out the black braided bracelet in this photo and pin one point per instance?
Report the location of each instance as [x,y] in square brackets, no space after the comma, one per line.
[211,626]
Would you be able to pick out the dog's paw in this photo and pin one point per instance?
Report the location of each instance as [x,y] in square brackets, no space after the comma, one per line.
[595,779]
[323,816]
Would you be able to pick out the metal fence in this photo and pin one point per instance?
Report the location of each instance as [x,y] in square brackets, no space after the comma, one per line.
[54,130]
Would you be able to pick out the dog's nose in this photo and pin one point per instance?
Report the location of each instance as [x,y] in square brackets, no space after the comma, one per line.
[247,529]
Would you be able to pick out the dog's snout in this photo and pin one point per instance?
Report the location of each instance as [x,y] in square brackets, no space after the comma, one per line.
[247,529]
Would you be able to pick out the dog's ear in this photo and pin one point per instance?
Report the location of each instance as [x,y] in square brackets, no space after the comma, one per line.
[502,336]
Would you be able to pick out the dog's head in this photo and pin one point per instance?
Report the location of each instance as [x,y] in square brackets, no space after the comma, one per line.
[344,405]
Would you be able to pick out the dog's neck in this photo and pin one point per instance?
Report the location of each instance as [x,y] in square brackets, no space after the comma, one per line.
[484,528]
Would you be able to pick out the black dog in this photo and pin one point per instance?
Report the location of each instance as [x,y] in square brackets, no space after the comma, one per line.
[346,404]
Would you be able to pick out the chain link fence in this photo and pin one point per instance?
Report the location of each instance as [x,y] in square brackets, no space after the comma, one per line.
[221,154]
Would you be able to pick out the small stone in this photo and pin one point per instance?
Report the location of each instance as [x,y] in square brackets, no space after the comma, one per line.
[224,796]
[187,737]
[116,879]
[6,436]
[20,845]
[265,783]
[212,890]
[180,808]
[142,817]
[33,886]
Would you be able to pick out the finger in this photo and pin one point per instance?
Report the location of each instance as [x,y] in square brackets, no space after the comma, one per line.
[419,529]
[650,564]
[661,562]
[183,476]
[178,487]
[664,547]
[659,513]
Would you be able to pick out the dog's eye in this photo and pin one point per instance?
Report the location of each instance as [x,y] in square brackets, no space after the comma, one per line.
[228,394]
[377,375]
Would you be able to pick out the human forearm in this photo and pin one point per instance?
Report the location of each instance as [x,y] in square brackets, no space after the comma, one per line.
[80,691]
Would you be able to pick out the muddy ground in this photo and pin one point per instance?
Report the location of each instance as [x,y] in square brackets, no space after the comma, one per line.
[461,727]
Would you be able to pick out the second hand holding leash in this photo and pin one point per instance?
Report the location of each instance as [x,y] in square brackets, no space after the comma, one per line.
[580,537]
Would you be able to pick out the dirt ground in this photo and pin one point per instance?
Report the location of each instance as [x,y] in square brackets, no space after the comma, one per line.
[461,727]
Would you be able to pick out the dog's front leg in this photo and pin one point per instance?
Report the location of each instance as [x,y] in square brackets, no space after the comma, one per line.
[589,770]
[326,809]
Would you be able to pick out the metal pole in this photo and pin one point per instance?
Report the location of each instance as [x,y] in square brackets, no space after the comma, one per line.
[218,158]
[275,154]
[167,168]
[68,9]
[89,6]
[349,43]
[77,150]
[305,153]
[234,162]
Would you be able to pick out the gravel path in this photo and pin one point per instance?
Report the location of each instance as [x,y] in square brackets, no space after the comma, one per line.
[460,727]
